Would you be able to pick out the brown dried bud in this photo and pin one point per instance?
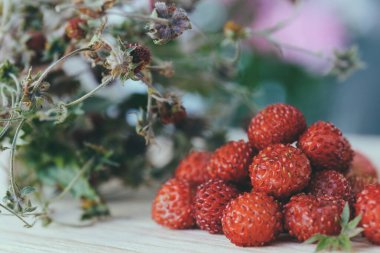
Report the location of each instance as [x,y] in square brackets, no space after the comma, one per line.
[171,111]
[76,28]
[140,56]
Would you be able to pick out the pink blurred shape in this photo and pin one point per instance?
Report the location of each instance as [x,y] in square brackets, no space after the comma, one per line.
[313,27]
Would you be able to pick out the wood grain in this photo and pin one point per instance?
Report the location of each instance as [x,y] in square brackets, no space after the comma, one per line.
[132,230]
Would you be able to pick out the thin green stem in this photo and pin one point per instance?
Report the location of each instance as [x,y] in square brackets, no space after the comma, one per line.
[6,127]
[37,83]
[27,224]
[280,25]
[18,87]
[84,97]
[26,214]
[11,119]
[12,158]
[6,6]
[85,168]
[281,45]
[236,57]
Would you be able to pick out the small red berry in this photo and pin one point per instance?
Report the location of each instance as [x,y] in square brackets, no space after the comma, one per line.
[172,206]
[193,168]
[280,170]
[210,201]
[359,182]
[230,162]
[75,28]
[331,183]
[307,215]
[361,165]
[277,123]
[368,205]
[326,147]
[252,219]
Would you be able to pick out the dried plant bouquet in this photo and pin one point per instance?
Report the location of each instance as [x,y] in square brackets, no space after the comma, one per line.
[69,120]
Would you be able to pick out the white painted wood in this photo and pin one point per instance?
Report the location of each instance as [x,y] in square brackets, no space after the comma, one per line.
[132,230]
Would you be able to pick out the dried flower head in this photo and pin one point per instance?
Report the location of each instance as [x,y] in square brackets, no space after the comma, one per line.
[170,22]
[346,62]
[119,62]
[141,56]
[99,52]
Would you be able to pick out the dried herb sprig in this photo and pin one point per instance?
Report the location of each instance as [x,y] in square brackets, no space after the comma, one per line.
[27,105]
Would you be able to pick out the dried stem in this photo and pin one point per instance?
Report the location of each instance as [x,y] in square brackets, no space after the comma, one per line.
[86,167]
[18,87]
[11,119]
[5,128]
[281,45]
[12,158]
[139,16]
[84,97]
[27,224]
[237,54]
[52,66]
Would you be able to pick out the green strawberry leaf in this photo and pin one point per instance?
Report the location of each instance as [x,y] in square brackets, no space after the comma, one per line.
[354,232]
[322,244]
[344,243]
[354,223]
[343,240]
[345,215]
[314,239]
[26,191]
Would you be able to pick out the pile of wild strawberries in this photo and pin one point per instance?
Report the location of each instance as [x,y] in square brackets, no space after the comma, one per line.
[287,178]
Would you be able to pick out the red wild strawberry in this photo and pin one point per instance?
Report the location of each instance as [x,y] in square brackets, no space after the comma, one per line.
[210,201]
[230,162]
[368,205]
[331,183]
[326,147]
[76,28]
[361,165]
[172,206]
[193,168]
[359,182]
[252,219]
[280,170]
[307,215]
[140,56]
[278,123]
[361,173]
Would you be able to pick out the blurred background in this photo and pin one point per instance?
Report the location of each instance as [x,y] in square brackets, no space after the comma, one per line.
[319,26]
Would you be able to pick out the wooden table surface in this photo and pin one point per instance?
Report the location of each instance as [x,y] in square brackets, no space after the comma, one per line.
[132,230]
